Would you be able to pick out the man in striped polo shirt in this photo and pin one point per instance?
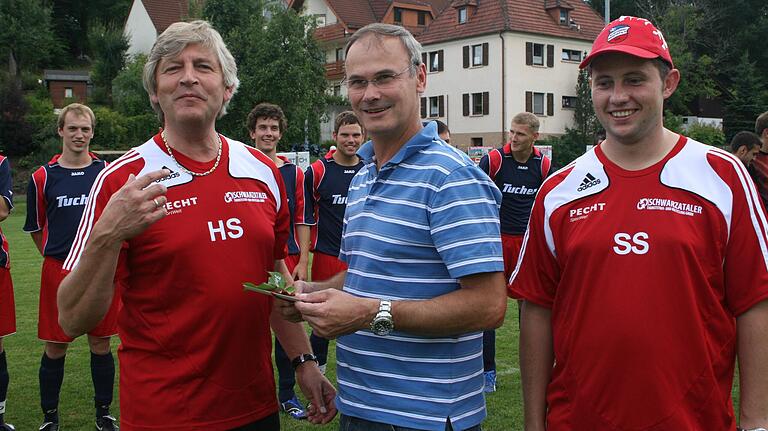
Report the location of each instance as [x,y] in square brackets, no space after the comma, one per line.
[421,238]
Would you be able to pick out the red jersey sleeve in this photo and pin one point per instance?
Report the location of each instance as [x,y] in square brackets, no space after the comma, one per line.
[298,215]
[746,255]
[537,272]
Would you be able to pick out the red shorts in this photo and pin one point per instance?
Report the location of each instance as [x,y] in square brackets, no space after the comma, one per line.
[48,328]
[7,306]
[325,266]
[511,245]
[291,261]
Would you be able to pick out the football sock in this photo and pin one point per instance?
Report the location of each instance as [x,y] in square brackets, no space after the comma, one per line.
[51,377]
[3,385]
[103,375]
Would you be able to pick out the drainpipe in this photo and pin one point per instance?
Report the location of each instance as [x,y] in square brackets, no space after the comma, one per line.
[503,87]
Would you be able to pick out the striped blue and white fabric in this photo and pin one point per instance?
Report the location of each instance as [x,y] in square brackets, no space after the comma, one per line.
[411,230]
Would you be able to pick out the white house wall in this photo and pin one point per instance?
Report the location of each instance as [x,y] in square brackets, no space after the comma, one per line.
[139,29]
[319,7]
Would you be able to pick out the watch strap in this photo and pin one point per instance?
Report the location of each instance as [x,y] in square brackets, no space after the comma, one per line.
[306,357]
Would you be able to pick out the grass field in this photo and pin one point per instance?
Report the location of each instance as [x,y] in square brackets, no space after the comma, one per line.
[76,407]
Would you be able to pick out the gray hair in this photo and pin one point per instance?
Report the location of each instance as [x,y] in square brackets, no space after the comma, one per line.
[379,30]
[175,39]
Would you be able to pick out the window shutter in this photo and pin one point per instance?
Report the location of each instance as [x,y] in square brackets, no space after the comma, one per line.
[550,55]
[423,107]
[441,106]
[550,104]
[425,58]
[485,54]
[485,102]
[466,57]
[528,101]
[465,103]
[440,55]
[528,53]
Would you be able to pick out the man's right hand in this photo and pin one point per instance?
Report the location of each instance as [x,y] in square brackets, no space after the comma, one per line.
[136,206]
[287,308]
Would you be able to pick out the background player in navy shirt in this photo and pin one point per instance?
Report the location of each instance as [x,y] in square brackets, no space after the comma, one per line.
[56,197]
[7,307]
[518,169]
[325,186]
[266,123]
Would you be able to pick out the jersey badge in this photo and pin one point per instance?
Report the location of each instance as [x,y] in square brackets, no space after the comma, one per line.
[660,204]
[577,214]
[244,196]
[77,174]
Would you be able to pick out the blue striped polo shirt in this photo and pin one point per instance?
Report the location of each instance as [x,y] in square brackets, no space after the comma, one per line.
[411,230]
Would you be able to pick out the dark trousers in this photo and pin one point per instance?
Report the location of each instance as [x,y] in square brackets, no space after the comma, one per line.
[286,377]
[489,350]
[269,423]
[351,423]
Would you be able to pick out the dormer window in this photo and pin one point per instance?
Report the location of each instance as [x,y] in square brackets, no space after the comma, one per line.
[462,12]
[564,17]
[422,18]
[398,15]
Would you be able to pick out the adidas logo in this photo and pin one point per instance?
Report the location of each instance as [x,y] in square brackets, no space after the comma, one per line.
[588,181]
[171,176]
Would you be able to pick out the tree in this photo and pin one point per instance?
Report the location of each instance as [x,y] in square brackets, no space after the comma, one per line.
[584,116]
[26,35]
[15,132]
[128,92]
[72,20]
[278,62]
[109,46]
[746,98]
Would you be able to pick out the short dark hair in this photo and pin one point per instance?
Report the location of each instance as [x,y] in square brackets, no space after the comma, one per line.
[442,127]
[761,123]
[745,139]
[345,118]
[266,110]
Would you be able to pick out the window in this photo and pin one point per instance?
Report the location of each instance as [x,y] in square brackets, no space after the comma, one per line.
[563,17]
[540,103]
[433,106]
[477,142]
[68,92]
[320,20]
[337,90]
[436,61]
[462,12]
[535,52]
[422,19]
[538,54]
[569,102]
[339,54]
[398,15]
[571,55]
[475,103]
[475,55]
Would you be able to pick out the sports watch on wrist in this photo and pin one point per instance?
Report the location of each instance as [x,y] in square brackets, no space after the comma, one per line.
[306,357]
[382,323]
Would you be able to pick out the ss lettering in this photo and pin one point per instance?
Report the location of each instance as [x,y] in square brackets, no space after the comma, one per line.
[626,243]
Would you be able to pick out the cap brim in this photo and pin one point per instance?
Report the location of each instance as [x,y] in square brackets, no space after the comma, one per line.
[624,49]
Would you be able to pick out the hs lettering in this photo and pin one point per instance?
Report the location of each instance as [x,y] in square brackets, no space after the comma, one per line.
[229,229]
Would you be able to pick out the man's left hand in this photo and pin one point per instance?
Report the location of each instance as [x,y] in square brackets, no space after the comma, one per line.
[319,391]
[332,313]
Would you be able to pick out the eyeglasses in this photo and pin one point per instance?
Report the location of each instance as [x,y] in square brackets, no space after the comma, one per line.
[382,81]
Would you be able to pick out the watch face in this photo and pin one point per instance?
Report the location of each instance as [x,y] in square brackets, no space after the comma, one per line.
[382,326]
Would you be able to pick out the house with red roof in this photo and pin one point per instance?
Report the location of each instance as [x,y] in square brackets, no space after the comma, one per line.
[148,18]
[487,60]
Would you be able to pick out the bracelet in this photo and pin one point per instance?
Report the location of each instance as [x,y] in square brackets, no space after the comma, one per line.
[306,357]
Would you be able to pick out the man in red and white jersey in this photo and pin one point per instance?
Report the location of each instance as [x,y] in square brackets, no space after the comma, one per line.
[7,304]
[518,168]
[645,267]
[181,222]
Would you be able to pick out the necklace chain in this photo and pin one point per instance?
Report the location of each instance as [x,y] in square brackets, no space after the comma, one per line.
[196,174]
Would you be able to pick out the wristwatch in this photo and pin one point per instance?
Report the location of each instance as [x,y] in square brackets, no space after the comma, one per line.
[306,357]
[382,323]
[750,429]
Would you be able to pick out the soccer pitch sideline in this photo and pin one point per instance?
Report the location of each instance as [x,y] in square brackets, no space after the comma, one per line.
[76,409]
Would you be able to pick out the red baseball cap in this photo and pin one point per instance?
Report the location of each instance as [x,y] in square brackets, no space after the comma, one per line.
[633,36]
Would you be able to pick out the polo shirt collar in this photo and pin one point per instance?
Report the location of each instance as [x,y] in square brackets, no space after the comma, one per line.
[426,136]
